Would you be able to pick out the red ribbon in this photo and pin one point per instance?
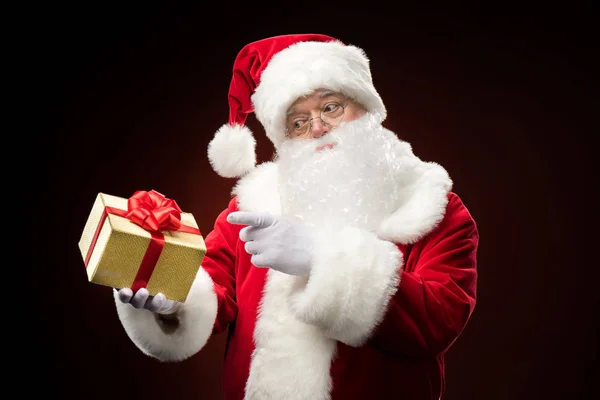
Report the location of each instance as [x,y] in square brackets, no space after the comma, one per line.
[154,213]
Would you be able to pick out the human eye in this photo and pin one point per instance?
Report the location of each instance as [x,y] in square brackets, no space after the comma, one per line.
[331,107]
[298,124]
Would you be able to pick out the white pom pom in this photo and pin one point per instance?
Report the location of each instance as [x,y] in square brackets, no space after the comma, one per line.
[232,151]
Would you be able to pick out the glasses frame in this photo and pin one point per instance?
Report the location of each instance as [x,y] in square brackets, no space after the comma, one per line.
[310,121]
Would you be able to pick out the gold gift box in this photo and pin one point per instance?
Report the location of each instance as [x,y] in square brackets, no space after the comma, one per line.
[121,245]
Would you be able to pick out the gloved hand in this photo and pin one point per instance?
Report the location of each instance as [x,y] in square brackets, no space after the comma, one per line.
[141,299]
[279,243]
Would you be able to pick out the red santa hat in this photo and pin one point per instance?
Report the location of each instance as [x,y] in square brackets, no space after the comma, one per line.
[269,75]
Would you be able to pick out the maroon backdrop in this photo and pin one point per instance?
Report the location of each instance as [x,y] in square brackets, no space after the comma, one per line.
[130,100]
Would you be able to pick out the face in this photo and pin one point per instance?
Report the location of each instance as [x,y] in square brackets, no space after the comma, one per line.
[315,115]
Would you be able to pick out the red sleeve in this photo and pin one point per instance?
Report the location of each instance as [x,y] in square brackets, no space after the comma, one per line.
[219,262]
[437,291]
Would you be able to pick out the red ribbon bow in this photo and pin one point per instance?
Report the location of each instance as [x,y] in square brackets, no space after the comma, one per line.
[153,211]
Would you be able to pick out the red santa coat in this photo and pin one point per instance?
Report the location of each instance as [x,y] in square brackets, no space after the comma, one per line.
[373,320]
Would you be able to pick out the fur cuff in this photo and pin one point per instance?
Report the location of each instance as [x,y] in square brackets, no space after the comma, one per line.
[354,275]
[196,319]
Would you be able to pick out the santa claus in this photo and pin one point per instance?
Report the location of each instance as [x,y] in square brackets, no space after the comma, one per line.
[343,269]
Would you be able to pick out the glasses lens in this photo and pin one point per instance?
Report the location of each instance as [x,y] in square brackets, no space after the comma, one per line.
[298,128]
[332,113]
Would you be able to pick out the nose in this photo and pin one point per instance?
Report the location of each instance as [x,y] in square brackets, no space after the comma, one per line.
[318,128]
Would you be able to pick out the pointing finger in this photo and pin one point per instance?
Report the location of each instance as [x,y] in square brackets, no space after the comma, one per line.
[256,219]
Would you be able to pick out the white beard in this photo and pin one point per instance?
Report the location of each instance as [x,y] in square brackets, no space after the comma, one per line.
[359,182]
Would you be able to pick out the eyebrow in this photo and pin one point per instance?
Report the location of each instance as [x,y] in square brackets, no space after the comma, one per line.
[326,93]
[323,94]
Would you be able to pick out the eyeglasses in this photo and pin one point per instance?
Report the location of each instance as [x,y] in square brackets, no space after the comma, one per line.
[331,114]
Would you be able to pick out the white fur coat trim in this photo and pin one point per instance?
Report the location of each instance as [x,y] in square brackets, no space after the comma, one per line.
[354,275]
[291,359]
[196,321]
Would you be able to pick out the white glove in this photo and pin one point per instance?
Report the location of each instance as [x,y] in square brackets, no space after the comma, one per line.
[142,300]
[279,243]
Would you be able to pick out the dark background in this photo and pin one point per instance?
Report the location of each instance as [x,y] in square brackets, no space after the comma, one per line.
[119,100]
